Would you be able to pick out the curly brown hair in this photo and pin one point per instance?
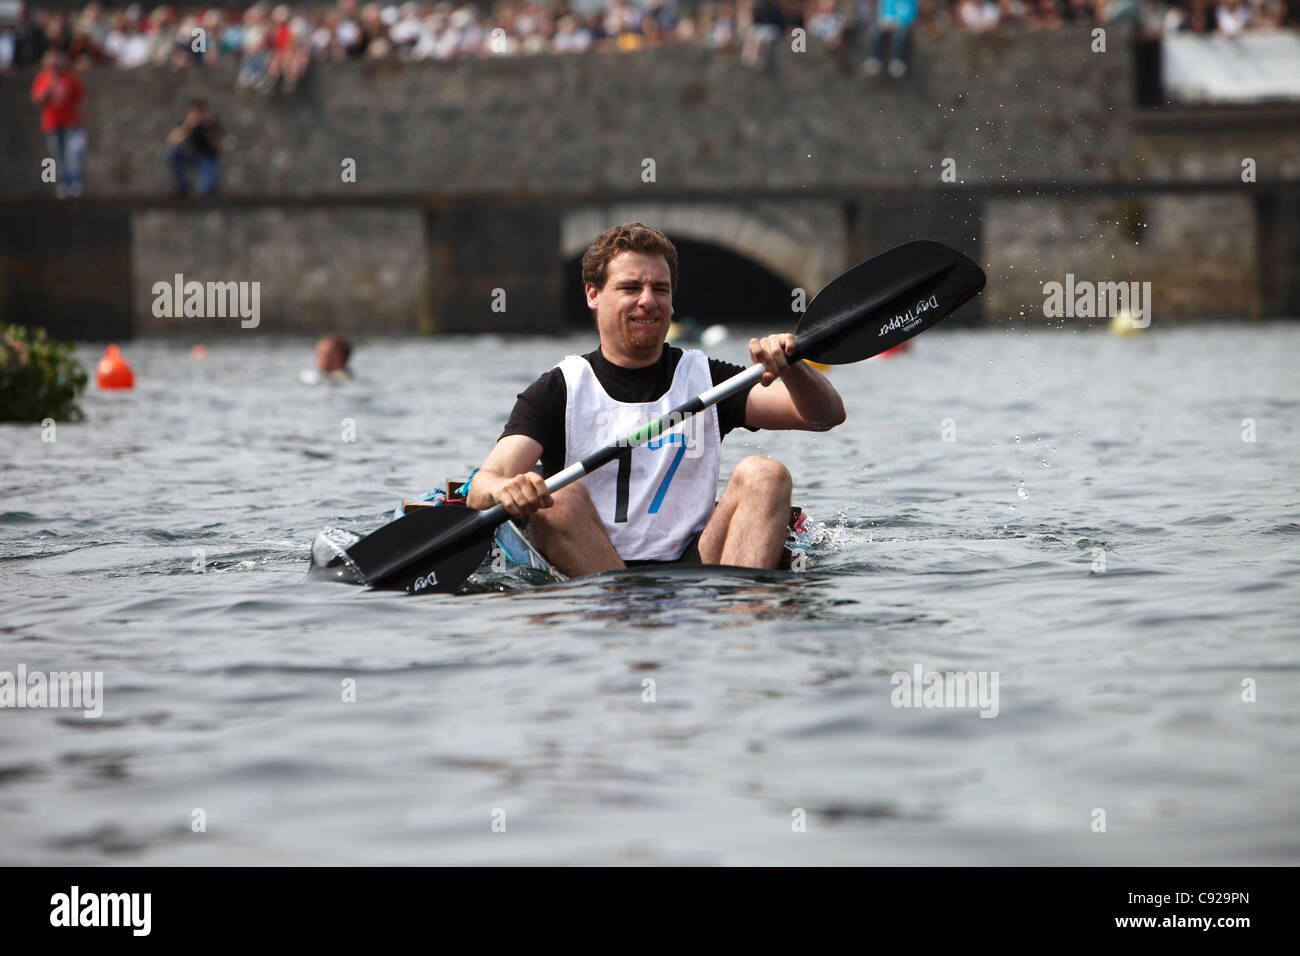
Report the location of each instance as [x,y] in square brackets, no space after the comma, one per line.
[629,237]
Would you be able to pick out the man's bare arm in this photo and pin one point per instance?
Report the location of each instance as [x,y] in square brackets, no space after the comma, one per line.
[179,133]
[791,395]
[507,477]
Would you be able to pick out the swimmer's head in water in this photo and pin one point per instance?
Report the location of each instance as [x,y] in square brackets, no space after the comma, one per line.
[333,352]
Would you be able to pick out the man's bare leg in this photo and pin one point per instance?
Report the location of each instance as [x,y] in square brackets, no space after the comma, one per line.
[749,524]
[570,534]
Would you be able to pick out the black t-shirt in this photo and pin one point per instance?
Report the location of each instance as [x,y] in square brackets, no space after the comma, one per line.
[203,138]
[539,411]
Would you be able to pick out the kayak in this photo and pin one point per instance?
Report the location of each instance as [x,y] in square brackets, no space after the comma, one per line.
[512,553]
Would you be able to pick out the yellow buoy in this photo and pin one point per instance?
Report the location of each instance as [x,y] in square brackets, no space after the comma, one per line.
[1123,323]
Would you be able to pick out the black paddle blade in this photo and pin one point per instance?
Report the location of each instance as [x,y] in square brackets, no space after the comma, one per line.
[445,569]
[885,301]
[329,559]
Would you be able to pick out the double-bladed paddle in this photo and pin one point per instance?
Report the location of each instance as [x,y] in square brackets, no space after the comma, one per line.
[873,307]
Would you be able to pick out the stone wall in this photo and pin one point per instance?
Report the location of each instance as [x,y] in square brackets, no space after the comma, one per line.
[354,269]
[1200,252]
[1008,106]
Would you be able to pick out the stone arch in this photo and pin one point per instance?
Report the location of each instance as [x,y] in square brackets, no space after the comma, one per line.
[804,244]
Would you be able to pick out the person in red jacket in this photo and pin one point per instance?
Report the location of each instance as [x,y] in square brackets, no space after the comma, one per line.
[59,94]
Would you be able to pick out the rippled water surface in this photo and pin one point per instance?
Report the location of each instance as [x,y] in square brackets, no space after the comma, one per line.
[1119,689]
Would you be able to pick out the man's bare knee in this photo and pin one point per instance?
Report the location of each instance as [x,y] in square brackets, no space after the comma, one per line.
[768,474]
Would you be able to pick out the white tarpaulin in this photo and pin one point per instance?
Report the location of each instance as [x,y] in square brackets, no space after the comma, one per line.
[1252,68]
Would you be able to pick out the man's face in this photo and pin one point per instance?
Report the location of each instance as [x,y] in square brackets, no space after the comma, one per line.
[328,358]
[634,308]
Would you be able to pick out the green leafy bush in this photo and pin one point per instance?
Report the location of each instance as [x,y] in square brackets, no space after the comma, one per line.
[39,378]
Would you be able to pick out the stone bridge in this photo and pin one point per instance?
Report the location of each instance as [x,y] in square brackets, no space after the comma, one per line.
[494,174]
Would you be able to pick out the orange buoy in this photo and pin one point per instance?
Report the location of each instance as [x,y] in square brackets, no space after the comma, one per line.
[113,370]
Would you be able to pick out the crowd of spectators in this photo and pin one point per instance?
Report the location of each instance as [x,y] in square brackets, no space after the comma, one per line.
[278,43]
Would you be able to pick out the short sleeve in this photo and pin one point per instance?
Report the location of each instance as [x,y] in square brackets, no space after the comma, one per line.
[539,415]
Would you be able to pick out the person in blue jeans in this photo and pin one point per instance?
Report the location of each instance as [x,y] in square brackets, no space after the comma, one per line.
[894,17]
[195,145]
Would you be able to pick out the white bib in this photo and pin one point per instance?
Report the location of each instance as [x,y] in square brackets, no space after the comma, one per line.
[657,496]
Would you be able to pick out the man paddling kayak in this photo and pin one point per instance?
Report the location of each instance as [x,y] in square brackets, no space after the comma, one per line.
[872,307]
[659,503]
